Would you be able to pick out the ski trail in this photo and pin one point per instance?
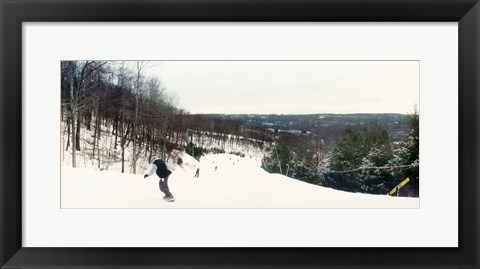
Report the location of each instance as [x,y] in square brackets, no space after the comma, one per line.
[237,183]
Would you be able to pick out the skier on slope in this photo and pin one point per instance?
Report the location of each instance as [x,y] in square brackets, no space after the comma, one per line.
[160,168]
[197,173]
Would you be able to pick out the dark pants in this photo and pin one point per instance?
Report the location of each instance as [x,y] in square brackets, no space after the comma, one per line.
[163,183]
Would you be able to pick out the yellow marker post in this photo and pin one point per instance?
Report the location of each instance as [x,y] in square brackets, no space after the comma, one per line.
[403,183]
[288,169]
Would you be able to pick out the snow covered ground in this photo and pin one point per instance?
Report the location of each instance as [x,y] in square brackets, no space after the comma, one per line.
[236,183]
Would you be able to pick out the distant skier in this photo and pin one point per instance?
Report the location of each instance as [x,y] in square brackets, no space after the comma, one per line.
[197,173]
[216,168]
[160,168]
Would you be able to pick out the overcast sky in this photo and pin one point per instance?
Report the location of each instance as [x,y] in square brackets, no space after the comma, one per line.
[291,87]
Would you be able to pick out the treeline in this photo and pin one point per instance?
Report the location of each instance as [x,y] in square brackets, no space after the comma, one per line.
[206,130]
[117,98]
[395,123]
[360,159]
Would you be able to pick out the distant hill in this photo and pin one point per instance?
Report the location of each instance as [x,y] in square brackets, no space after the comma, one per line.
[396,124]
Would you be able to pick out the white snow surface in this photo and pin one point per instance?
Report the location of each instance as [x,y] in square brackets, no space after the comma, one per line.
[237,183]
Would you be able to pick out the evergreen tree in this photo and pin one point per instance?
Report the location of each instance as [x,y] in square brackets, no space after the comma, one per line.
[351,160]
[407,153]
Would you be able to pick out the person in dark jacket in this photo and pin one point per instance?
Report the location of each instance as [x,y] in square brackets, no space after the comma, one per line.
[160,168]
[197,173]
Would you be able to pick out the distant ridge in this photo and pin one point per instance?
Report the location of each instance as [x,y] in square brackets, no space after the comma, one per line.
[395,123]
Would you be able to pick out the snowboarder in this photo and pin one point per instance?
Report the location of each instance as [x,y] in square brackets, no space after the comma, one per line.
[197,173]
[160,168]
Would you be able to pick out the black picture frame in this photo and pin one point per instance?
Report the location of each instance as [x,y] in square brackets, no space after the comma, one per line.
[14,12]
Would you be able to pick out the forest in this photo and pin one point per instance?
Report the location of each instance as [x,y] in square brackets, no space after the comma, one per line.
[118,99]
[356,158]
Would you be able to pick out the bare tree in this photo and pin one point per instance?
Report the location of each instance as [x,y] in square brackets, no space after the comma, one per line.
[78,76]
[124,82]
[140,67]
[155,92]
[166,112]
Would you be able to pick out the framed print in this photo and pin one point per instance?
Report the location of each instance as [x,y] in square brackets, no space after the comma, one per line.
[239,134]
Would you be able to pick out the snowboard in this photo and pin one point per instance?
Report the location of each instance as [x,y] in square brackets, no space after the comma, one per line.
[399,186]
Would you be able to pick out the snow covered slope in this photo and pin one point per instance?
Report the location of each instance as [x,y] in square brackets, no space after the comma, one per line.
[236,183]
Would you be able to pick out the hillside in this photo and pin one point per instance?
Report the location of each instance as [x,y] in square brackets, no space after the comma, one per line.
[237,183]
[319,123]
